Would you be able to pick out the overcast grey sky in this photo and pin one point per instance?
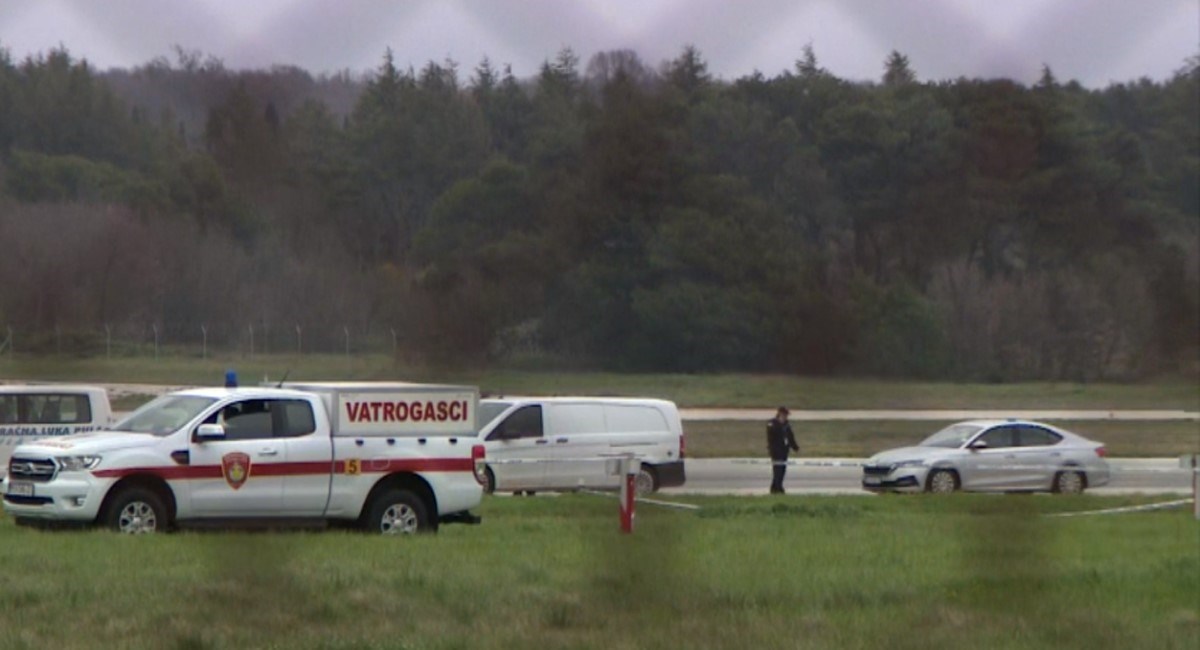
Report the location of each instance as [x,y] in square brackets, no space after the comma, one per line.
[1093,41]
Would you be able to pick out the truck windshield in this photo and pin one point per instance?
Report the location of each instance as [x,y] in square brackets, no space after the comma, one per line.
[952,437]
[164,415]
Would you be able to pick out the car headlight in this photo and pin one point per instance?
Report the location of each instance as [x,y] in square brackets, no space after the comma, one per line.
[77,463]
[910,463]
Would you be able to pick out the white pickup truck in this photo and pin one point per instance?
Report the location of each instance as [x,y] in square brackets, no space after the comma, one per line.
[391,457]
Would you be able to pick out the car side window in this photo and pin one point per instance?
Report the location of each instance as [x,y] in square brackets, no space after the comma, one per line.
[1038,437]
[525,422]
[1000,437]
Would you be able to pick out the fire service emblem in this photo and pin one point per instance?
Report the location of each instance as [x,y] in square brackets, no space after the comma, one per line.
[236,468]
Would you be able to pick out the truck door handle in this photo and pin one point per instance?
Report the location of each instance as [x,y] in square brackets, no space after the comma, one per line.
[541,441]
[268,452]
[560,440]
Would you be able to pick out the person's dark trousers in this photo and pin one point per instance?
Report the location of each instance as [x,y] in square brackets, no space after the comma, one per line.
[778,469]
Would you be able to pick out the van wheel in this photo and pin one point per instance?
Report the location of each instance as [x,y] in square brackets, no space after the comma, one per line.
[136,511]
[489,481]
[398,512]
[646,481]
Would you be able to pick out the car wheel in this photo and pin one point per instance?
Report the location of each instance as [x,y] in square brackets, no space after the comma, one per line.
[646,482]
[1069,482]
[489,481]
[398,512]
[136,511]
[942,481]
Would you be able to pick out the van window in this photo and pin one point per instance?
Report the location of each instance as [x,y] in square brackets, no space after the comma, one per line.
[634,419]
[566,419]
[8,409]
[489,410]
[45,408]
[525,422]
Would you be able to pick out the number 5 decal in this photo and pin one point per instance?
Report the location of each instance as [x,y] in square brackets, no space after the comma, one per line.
[353,466]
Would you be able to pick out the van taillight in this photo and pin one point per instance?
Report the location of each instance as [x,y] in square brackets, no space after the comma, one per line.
[682,445]
[1101,451]
[478,454]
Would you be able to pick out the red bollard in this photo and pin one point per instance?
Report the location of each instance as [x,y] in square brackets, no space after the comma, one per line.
[629,470]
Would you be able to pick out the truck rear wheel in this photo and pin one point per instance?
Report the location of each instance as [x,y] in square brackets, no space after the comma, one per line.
[398,512]
[136,511]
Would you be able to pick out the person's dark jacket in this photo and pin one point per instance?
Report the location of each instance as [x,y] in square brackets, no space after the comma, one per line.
[779,439]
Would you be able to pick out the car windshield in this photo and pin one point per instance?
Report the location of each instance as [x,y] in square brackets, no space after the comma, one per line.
[164,415]
[489,411]
[952,437]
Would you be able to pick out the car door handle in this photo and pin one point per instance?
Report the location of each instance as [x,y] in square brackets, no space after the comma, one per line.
[560,440]
[541,441]
[268,452]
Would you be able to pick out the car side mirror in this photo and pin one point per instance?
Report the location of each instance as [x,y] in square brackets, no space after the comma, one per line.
[206,432]
[977,445]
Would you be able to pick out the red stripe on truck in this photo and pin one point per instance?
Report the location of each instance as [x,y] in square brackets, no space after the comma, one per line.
[366,465]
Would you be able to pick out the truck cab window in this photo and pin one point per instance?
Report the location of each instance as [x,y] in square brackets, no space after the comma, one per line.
[248,420]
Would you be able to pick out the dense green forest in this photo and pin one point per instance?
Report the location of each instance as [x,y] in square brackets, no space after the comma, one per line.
[612,214]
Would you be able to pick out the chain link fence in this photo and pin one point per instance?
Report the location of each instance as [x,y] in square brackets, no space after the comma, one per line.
[202,340]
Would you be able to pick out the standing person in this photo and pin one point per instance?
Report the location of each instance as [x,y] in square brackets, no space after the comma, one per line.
[780,439]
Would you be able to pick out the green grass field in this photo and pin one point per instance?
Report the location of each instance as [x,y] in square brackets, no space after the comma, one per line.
[969,571]
[733,390]
[860,439]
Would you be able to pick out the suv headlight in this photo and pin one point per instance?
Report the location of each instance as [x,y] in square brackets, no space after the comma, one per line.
[910,463]
[77,463]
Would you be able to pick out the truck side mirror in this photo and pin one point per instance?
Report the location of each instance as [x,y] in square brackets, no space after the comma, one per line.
[206,432]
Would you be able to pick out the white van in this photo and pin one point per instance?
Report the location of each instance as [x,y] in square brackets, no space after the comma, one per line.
[561,443]
[32,411]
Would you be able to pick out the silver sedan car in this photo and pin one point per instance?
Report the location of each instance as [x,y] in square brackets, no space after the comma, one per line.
[991,455]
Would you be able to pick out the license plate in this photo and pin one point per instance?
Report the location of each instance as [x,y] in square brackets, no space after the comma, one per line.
[20,489]
[872,480]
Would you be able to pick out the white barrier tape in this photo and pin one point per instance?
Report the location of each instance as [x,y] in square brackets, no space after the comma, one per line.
[536,461]
[1112,511]
[665,504]
[805,463]
[842,463]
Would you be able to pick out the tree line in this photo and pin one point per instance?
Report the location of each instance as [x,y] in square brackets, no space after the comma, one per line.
[616,214]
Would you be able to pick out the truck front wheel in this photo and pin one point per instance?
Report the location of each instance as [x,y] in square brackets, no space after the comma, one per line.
[136,511]
[398,512]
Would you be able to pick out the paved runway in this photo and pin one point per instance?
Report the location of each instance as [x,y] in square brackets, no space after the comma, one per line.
[753,476]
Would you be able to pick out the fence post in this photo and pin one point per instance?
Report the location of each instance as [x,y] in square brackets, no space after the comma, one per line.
[299,340]
[155,328]
[347,331]
[266,338]
[107,341]
[203,341]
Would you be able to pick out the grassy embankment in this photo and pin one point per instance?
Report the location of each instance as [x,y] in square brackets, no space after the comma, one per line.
[791,572]
[730,390]
[706,439]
